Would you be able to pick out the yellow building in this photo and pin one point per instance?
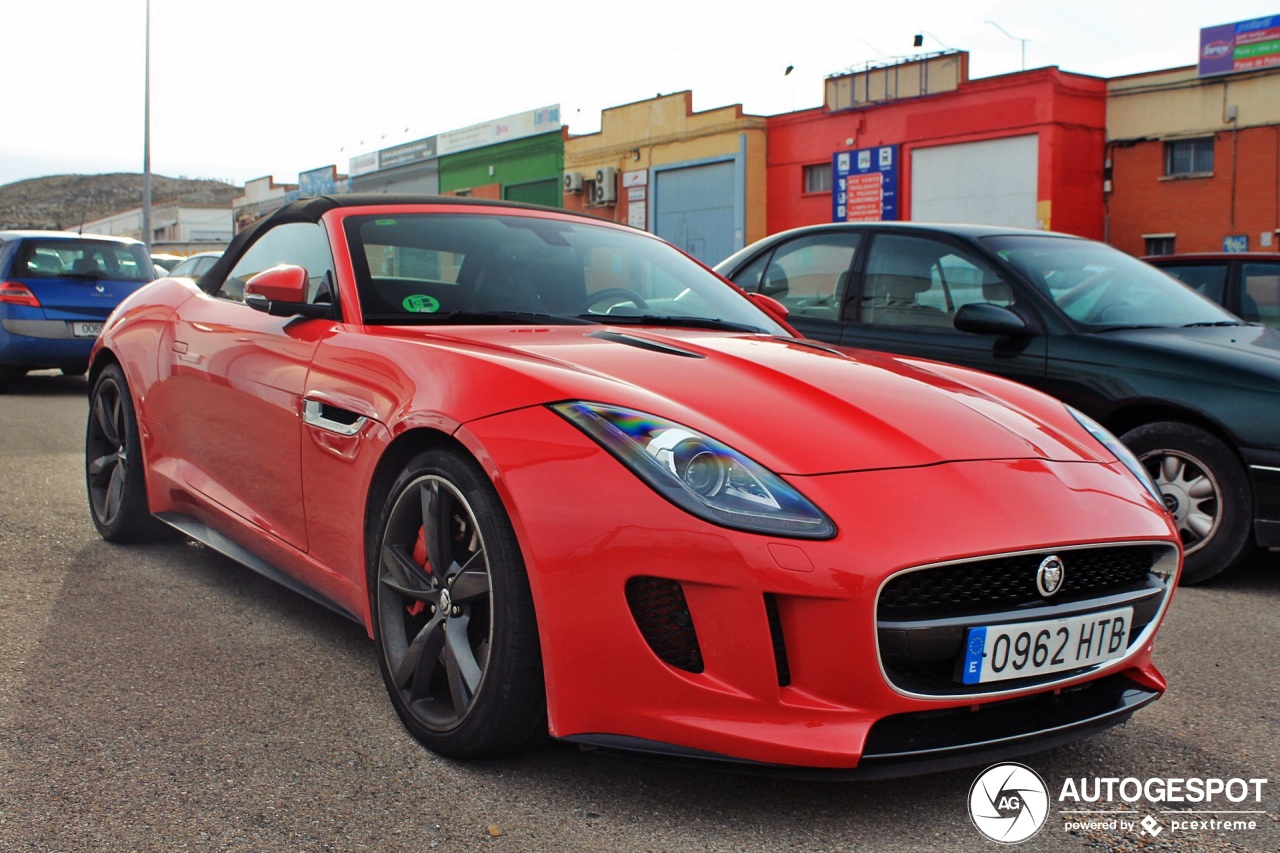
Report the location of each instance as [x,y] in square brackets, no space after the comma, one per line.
[696,179]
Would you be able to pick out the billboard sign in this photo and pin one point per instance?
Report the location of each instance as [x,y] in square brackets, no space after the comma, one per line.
[322,181]
[1242,46]
[516,126]
[363,164]
[865,185]
[409,152]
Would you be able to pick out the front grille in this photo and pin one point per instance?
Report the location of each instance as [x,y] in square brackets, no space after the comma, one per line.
[923,615]
[661,613]
[1006,582]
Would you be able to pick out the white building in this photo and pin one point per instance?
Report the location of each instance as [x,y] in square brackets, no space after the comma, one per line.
[176,226]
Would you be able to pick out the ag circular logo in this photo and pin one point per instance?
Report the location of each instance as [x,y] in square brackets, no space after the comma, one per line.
[1008,803]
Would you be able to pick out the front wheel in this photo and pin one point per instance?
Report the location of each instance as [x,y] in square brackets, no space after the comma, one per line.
[1205,488]
[453,614]
[113,463]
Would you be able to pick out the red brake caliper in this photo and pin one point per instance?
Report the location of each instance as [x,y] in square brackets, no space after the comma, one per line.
[420,557]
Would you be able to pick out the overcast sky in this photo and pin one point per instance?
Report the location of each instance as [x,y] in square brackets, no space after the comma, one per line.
[246,88]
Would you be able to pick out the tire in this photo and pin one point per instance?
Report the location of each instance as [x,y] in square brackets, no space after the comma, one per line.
[9,375]
[452,612]
[113,463]
[1207,490]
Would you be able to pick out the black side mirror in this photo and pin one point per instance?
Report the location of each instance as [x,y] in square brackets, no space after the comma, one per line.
[987,318]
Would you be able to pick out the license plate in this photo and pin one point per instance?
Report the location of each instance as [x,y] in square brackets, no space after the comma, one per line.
[86,330]
[1022,649]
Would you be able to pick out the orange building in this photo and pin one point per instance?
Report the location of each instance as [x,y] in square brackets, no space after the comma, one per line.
[1193,163]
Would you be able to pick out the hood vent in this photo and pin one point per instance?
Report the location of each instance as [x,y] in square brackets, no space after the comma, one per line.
[644,343]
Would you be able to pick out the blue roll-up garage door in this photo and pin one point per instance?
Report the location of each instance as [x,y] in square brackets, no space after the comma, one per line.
[693,209]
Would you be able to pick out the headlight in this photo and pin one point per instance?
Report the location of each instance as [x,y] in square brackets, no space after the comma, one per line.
[1124,454]
[699,474]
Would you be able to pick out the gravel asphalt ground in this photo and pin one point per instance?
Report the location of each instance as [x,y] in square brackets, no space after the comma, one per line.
[163,698]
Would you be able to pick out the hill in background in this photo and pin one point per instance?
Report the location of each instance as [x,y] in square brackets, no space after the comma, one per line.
[63,202]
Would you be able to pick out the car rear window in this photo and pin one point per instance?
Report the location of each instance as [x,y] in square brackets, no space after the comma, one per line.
[1208,279]
[93,259]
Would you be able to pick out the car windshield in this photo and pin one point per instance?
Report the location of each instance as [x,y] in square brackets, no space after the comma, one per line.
[89,259]
[501,268]
[1103,288]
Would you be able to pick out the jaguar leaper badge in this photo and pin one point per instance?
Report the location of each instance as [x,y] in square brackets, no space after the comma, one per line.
[1049,576]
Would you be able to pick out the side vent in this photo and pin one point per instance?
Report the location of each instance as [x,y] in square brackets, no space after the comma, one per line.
[779,643]
[662,615]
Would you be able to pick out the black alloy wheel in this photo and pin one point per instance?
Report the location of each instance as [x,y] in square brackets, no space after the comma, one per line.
[453,614]
[113,463]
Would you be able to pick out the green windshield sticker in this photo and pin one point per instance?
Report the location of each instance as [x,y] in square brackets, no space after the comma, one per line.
[421,304]
[384,222]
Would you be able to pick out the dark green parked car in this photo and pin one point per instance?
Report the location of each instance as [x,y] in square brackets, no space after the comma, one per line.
[1190,388]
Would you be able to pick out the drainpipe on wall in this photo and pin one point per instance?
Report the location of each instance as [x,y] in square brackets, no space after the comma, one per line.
[1231,115]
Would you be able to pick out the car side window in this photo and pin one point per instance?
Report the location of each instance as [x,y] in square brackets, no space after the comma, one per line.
[302,244]
[916,281]
[1260,293]
[809,275]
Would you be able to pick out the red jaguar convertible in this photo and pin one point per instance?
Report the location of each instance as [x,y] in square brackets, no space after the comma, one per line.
[575,484]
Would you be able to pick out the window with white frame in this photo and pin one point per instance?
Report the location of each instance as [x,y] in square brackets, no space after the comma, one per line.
[1188,157]
[817,178]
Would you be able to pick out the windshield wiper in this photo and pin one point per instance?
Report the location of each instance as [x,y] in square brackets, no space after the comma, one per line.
[665,320]
[1125,328]
[1214,323]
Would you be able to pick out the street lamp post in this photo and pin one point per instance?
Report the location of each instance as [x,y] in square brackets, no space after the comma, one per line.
[1015,38]
[146,134]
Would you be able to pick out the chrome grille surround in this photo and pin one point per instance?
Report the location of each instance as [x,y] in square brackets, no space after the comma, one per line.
[941,624]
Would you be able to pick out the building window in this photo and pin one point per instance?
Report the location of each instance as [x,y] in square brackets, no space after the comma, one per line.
[1159,244]
[1188,157]
[817,178]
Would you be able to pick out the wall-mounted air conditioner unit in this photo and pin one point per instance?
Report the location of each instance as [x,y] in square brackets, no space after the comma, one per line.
[605,188]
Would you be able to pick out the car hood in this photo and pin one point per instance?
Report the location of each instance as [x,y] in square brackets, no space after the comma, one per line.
[796,406]
[1242,355]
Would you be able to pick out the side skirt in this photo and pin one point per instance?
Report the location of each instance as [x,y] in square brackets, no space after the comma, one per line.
[206,535]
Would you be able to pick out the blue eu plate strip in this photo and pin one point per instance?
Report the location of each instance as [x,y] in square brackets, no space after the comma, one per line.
[973,655]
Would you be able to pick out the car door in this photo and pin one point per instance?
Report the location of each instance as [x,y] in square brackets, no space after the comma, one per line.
[233,394]
[810,275]
[910,288]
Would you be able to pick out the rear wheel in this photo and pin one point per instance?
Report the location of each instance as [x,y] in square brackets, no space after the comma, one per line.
[113,463]
[8,375]
[453,614]
[1205,488]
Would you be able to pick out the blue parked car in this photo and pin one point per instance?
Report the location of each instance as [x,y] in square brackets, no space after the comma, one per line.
[56,288]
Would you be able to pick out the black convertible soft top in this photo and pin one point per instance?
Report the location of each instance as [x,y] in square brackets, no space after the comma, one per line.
[311,209]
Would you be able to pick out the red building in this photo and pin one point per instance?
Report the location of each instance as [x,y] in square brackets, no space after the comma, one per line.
[1022,149]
